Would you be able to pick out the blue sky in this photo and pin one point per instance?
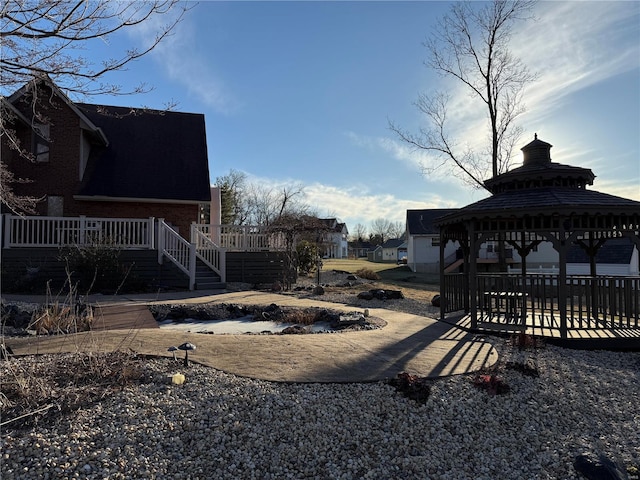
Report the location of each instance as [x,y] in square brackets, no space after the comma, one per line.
[302,92]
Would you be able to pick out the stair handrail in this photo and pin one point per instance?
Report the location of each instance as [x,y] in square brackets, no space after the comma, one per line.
[182,253]
[210,253]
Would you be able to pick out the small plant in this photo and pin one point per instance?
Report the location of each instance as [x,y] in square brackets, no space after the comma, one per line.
[367,274]
[525,341]
[492,384]
[412,386]
[60,317]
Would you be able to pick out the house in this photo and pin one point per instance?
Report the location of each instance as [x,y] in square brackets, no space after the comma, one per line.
[375,254]
[135,177]
[423,240]
[106,161]
[616,257]
[359,249]
[390,249]
[423,248]
[334,241]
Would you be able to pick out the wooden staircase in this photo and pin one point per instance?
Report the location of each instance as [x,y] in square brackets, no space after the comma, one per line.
[207,279]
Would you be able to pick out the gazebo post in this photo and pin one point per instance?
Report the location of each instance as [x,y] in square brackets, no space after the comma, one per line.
[473,276]
[443,300]
[562,246]
[523,251]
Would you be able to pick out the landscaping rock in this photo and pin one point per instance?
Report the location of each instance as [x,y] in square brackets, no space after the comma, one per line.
[380,294]
[294,330]
[600,468]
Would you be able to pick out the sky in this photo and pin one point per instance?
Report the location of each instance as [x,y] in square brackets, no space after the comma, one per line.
[303,92]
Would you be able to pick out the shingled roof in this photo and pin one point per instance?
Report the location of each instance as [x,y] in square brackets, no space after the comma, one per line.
[151,155]
[617,251]
[421,222]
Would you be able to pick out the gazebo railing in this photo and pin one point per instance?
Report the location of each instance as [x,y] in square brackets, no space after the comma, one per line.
[591,302]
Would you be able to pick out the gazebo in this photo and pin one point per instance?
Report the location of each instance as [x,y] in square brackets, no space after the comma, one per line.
[543,201]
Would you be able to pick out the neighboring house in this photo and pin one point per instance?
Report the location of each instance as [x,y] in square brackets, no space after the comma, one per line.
[105,161]
[359,249]
[375,254]
[423,240]
[617,257]
[423,248]
[390,250]
[335,243]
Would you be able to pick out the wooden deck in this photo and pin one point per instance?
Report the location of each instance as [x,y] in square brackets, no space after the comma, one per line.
[548,326]
[123,317]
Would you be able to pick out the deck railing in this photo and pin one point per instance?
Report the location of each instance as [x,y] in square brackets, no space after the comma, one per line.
[39,231]
[207,251]
[181,252]
[244,238]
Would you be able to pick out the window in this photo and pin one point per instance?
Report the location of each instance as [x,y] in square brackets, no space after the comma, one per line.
[435,242]
[41,142]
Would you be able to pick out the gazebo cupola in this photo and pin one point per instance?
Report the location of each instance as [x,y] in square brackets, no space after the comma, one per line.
[538,171]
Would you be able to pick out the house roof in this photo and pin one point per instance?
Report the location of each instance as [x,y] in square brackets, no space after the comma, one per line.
[615,251]
[393,243]
[152,155]
[420,222]
[45,80]
[333,224]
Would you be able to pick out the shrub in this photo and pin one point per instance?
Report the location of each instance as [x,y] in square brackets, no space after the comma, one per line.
[367,274]
[307,253]
[97,267]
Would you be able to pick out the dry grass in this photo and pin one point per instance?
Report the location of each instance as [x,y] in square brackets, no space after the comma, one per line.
[416,286]
[61,383]
[367,274]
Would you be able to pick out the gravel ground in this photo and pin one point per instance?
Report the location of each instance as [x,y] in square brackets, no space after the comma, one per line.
[217,425]
[558,404]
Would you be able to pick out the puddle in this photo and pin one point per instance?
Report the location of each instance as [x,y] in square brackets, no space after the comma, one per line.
[237,326]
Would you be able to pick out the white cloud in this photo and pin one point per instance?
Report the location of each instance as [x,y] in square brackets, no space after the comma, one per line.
[176,54]
[575,45]
[357,204]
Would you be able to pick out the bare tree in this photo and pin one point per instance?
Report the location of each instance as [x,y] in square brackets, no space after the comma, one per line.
[49,38]
[471,46]
[267,204]
[381,229]
[397,229]
[295,227]
[359,233]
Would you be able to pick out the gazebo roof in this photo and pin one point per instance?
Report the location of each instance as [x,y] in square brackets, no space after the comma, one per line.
[541,187]
[544,201]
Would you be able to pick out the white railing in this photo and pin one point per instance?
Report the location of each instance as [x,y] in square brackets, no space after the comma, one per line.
[182,253]
[39,231]
[207,251]
[245,238]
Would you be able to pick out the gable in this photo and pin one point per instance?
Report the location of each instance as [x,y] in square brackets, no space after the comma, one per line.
[151,155]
